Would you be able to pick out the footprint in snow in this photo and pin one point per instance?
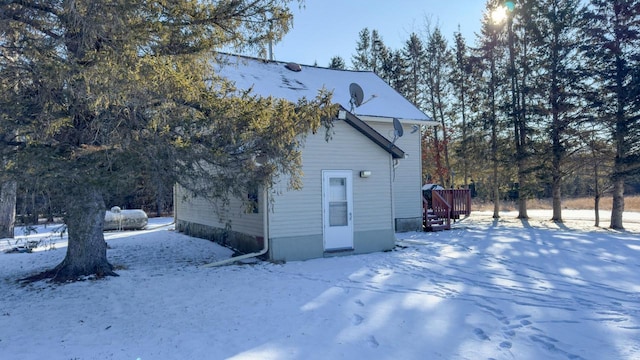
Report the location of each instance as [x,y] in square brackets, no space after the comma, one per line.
[510,330]
[359,302]
[357,319]
[373,342]
[545,342]
[520,317]
[481,334]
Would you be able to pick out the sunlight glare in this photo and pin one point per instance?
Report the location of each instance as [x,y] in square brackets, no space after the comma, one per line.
[569,272]
[634,247]
[421,301]
[499,15]
[323,299]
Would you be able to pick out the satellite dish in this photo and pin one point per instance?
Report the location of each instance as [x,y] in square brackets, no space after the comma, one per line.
[397,127]
[397,131]
[357,95]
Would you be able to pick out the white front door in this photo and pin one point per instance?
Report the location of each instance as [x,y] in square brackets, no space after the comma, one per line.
[337,209]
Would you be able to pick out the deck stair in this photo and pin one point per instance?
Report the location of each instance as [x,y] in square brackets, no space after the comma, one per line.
[445,205]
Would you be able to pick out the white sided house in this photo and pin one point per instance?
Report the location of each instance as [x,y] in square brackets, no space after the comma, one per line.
[358,188]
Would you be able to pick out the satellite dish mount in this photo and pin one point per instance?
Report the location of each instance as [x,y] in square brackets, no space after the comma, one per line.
[398,131]
[357,96]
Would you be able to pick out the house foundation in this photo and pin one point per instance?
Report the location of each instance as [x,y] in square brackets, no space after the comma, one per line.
[235,240]
[408,224]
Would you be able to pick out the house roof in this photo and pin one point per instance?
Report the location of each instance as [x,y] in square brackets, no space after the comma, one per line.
[274,78]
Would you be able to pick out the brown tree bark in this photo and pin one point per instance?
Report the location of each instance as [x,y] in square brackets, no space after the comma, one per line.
[8,192]
[596,199]
[87,250]
[617,208]
[556,187]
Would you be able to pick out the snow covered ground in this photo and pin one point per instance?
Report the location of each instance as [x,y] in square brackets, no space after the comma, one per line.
[503,289]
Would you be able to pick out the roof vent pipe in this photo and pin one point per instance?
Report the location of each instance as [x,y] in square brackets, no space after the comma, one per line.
[293,67]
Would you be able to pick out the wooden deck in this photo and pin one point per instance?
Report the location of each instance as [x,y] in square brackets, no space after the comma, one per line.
[445,205]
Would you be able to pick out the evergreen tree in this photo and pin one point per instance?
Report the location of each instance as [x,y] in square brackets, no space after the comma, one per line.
[397,76]
[380,56]
[490,52]
[475,152]
[437,69]
[362,59]
[414,56]
[611,50]
[515,109]
[460,81]
[372,54]
[522,64]
[556,51]
[8,143]
[337,62]
[95,89]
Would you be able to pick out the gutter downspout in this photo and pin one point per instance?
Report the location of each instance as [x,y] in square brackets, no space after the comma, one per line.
[265,231]
[392,173]
[175,203]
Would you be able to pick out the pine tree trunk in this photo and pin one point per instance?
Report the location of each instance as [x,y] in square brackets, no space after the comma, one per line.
[557,199]
[494,160]
[87,250]
[522,207]
[496,190]
[618,204]
[596,205]
[438,157]
[556,181]
[8,193]
[496,201]
[621,131]
[518,120]
[445,143]
[596,200]
[465,154]
[557,153]
[494,134]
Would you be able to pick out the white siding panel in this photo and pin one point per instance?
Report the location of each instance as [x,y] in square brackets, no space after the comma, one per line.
[298,213]
[202,211]
[407,195]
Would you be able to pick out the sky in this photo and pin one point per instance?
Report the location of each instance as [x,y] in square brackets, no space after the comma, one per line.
[488,289]
[327,28]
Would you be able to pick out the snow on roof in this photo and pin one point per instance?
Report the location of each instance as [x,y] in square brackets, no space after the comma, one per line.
[274,78]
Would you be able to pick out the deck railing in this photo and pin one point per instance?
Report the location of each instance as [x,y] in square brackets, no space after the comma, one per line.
[459,199]
[445,205]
